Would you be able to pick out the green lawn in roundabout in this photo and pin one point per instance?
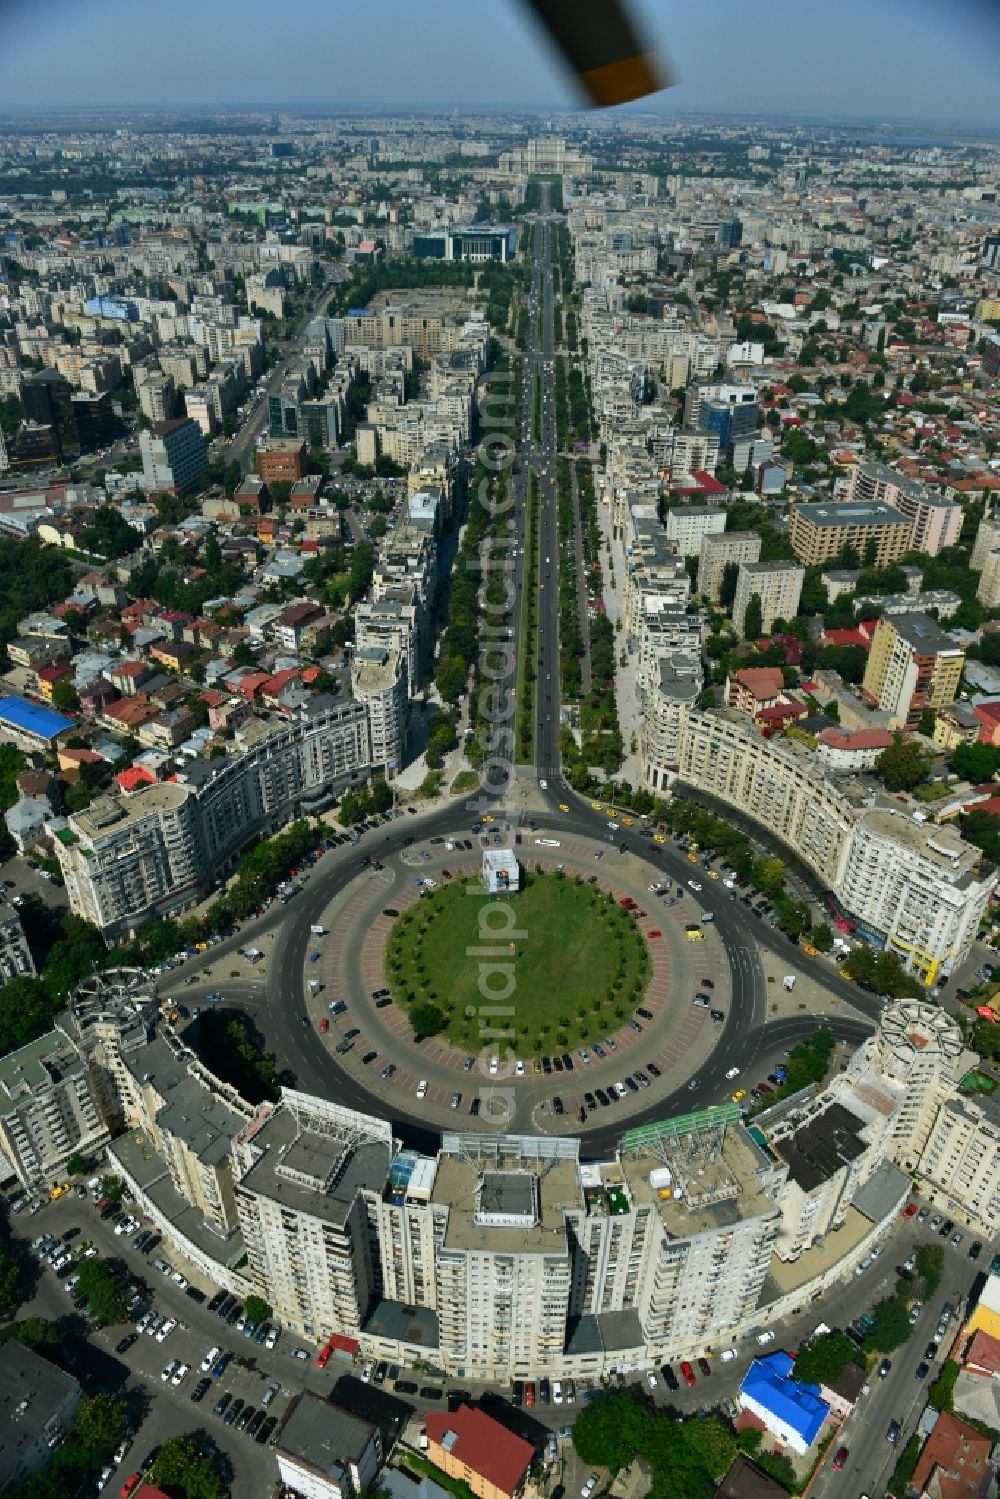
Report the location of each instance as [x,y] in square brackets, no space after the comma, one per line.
[562,956]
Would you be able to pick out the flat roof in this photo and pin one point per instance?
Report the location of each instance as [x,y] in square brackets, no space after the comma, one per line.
[317,1174]
[852,514]
[558,1193]
[323,1435]
[729,1173]
[417,1325]
[820,1147]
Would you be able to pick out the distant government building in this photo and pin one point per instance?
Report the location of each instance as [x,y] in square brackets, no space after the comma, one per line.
[505,1256]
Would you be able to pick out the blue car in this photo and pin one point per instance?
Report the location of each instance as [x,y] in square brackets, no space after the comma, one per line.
[249,1329]
[314,957]
[220,1365]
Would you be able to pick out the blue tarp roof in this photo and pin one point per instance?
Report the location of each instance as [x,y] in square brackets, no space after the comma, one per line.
[799,1407]
[32,718]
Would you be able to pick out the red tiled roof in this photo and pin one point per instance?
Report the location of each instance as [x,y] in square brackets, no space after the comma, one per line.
[860,739]
[954,1450]
[762,681]
[483,1445]
[135,777]
[984,1353]
[708,482]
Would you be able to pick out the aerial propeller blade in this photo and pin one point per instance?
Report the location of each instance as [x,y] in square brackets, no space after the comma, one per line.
[611,58]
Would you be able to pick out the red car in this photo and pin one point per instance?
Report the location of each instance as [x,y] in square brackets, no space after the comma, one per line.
[655,933]
[840,1457]
[910,1210]
[132,1482]
[446,874]
[324,1025]
[705,1367]
[688,1374]
[529,1393]
[323,1357]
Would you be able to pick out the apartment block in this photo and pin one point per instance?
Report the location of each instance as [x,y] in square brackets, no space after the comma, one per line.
[174,460]
[961,1161]
[819,533]
[987,540]
[917,888]
[125,861]
[687,526]
[719,551]
[48,1109]
[671,690]
[15,954]
[300,1176]
[38,1406]
[937,520]
[988,592]
[379,683]
[724,754]
[778,585]
[912,665]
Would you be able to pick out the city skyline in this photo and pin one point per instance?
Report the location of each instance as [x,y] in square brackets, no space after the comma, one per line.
[927,62]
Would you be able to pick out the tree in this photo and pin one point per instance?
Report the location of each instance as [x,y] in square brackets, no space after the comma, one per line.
[105,1293]
[35,1333]
[181,1465]
[608,1432]
[891,1327]
[824,1359]
[928,719]
[753,618]
[975,762]
[111,1187]
[10,1280]
[64,696]
[768,876]
[902,766]
[821,937]
[100,1425]
[427,1020]
[76,1165]
[258,1310]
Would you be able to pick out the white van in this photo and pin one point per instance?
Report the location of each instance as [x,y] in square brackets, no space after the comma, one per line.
[727,1355]
[318,931]
[765,1337]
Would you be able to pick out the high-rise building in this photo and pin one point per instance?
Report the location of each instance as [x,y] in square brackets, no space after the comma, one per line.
[778,585]
[174,460]
[720,551]
[912,665]
[818,533]
[47,399]
[937,520]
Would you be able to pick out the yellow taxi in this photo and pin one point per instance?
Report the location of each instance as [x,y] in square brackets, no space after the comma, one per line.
[564,806]
[713,874]
[739,1094]
[596,807]
[692,858]
[628,821]
[489,817]
[659,838]
[59,1191]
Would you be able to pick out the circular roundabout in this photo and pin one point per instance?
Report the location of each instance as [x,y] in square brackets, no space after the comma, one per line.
[484,1004]
[561,958]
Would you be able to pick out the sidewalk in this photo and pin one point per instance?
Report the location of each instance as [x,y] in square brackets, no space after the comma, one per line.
[625,677]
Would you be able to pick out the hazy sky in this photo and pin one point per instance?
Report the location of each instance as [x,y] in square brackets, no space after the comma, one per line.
[913,58]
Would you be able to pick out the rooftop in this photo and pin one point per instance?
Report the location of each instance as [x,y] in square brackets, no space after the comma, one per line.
[32,718]
[33,1396]
[558,1192]
[473,1438]
[850,514]
[313,1173]
[322,1435]
[799,1407]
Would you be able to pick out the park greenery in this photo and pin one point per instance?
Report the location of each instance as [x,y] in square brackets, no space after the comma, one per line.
[580,969]
[32,577]
[688,1458]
